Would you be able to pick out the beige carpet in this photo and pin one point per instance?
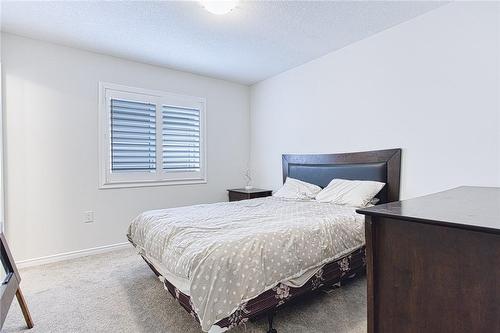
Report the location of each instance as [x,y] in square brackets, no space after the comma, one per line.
[117,292]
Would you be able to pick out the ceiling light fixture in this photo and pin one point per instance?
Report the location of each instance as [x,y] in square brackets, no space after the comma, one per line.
[219,7]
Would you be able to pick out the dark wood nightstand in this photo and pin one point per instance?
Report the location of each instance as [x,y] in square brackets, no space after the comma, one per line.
[237,194]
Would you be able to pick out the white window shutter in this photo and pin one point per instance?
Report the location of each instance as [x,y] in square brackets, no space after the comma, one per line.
[133,136]
[181,138]
[150,138]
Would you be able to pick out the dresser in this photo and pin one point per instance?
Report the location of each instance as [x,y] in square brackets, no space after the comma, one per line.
[433,263]
[237,194]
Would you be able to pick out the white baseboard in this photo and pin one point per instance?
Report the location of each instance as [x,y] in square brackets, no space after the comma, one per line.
[71,255]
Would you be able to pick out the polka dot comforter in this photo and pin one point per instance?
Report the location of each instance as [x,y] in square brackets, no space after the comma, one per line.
[233,251]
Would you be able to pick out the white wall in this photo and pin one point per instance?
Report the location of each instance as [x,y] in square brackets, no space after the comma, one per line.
[51,119]
[429,85]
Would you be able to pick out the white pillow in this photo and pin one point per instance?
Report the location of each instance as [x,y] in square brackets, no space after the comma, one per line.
[297,189]
[356,193]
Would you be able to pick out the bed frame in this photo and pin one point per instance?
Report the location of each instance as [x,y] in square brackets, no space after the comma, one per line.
[319,169]
[378,165]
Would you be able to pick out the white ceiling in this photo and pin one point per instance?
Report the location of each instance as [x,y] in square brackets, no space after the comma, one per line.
[255,41]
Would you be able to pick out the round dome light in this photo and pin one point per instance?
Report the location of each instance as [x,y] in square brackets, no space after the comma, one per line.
[219,7]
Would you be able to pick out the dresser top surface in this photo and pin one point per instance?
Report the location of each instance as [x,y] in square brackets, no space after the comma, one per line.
[467,207]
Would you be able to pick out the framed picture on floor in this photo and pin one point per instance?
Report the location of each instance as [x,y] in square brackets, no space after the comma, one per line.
[10,278]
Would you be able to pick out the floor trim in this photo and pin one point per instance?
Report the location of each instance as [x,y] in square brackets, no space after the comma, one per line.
[71,255]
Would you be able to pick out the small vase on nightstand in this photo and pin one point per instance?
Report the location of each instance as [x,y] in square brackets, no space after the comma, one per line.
[248,178]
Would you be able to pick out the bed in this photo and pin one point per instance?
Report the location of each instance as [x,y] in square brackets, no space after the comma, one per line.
[226,263]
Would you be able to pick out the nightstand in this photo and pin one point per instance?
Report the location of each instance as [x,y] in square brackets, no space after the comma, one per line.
[237,194]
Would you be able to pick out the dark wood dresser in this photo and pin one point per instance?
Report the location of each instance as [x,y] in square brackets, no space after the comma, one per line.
[237,194]
[433,263]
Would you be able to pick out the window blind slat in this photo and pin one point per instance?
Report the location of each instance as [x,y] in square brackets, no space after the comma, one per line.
[182,154]
[179,164]
[180,121]
[134,167]
[181,136]
[134,123]
[133,136]
[132,150]
[142,137]
[132,118]
[183,159]
[140,154]
[182,149]
[138,127]
[128,160]
[181,110]
[134,112]
[120,142]
[130,141]
[176,127]
[176,144]
[118,110]
[182,133]
[183,166]
[184,138]
[176,117]
[132,105]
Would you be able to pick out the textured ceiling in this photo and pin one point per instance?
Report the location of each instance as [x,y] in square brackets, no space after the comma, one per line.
[255,41]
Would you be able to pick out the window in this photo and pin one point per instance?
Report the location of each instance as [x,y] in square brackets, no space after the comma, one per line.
[150,137]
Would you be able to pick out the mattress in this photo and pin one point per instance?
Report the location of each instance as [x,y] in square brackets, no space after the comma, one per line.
[225,254]
[183,284]
[332,274]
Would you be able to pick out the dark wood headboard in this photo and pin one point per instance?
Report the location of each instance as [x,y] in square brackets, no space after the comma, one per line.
[378,165]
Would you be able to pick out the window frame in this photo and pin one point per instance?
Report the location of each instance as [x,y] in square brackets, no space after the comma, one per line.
[108,179]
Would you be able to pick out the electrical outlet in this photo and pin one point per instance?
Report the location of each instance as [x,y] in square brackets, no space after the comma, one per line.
[88,217]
